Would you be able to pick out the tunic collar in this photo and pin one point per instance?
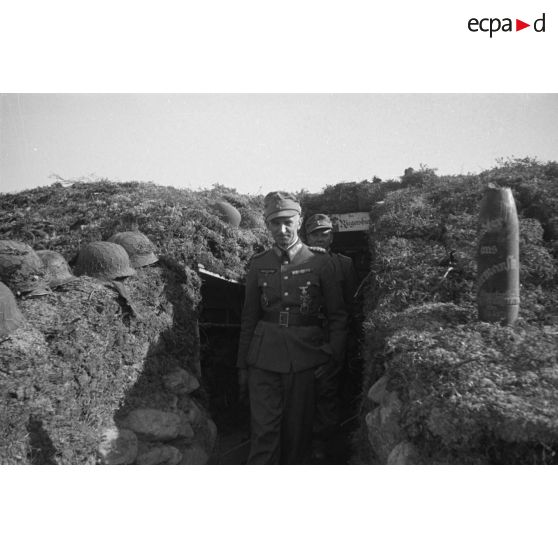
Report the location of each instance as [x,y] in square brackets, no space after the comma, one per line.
[287,255]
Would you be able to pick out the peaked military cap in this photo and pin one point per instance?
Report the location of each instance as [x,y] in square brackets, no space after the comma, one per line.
[280,204]
[318,221]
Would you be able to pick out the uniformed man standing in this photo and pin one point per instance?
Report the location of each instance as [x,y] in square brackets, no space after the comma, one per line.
[283,346]
[319,232]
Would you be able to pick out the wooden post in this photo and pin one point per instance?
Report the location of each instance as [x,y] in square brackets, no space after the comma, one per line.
[498,257]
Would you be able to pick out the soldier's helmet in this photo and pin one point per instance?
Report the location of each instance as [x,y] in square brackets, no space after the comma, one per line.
[227,212]
[57,270]
[10,316]
[103,260]
[140,249]
[21,269]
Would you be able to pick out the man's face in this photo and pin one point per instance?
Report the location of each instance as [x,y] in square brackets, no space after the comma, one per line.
[321,238]
[284,230]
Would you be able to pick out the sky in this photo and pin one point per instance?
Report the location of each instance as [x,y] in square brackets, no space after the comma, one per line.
[258,142]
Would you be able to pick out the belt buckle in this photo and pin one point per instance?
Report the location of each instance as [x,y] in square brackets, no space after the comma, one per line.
[284,319]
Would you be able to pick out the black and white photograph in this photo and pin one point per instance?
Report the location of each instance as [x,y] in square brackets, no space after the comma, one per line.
[317,236]
[266,279]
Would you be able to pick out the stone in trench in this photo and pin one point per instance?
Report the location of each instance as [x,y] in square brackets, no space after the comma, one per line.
[179,380]
[160,455]
[118,446]
[377,392]
[390,409]
[186,430]
[404,453]
[195,414]
[154,424]
[384,432]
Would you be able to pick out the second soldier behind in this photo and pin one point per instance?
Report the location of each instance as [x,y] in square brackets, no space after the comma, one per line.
[319,233]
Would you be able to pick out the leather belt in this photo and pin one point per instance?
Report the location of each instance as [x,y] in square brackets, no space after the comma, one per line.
[289,319]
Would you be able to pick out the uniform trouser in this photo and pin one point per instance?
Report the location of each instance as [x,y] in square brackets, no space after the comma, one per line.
[327,405]
[282,413]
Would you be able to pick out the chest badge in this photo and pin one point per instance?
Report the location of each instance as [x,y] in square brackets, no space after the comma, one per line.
[265,300]
[301,271]
[304,299]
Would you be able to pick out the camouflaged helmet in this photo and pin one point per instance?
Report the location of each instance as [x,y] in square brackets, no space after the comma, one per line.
[141,250]
[227,212]
[57,270]
[103,260]
[21,269]
[10,316]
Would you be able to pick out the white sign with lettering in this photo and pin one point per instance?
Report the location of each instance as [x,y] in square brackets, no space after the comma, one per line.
[345,222]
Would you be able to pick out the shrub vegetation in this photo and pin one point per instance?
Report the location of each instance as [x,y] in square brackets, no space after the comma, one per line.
[472,392]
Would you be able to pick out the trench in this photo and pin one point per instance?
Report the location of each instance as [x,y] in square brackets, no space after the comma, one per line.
[219,326]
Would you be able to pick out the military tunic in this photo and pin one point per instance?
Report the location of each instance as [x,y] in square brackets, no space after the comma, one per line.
[298,285]
[282,342]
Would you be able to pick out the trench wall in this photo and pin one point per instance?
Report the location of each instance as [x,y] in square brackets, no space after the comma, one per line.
[439,386]
[96,378]
[111,374]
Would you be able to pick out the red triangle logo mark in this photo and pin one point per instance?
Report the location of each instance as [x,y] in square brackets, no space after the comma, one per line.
[519,25]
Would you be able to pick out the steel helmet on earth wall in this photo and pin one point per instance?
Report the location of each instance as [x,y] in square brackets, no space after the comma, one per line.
[103,260]
[21,269]
[227,212]
[140,249]
[10,316]
[57,270]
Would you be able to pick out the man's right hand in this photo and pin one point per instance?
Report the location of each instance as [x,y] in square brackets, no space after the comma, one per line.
[243,384]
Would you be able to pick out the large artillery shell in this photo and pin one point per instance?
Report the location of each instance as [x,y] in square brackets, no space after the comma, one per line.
[498,257]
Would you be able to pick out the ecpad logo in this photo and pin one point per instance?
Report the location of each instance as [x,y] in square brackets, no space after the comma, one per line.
[492,25]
